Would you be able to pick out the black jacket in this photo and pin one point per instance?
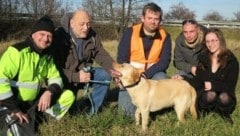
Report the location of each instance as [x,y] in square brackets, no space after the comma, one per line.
[223,80]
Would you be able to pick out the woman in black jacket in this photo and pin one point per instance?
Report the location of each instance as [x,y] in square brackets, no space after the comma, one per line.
[216,76]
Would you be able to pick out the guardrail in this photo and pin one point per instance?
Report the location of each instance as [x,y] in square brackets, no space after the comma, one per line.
[222,24]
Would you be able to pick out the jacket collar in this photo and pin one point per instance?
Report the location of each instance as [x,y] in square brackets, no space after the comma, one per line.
[33,47]
[157,35]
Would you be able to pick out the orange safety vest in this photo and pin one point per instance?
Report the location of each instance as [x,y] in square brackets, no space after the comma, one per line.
[137,57]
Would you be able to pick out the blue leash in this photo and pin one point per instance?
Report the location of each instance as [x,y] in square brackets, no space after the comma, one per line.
[88,93]
[106,82]
[86,88]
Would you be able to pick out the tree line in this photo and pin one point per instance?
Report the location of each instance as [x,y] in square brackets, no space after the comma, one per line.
[111,16]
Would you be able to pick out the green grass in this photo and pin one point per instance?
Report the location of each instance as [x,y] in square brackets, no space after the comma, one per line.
[110,123]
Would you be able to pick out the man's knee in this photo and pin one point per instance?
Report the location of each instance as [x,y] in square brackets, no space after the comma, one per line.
[101,74]
[125,104]
[159,75]
[68,96]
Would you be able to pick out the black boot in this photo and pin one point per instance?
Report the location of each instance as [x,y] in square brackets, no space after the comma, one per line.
[227,119]
[203,112]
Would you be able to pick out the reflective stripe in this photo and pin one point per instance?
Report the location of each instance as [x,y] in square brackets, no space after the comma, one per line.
[55,111]
[3,80]
[6,95]
[55,80]
[141,65]
[26,85]
[3,108]
[13,127]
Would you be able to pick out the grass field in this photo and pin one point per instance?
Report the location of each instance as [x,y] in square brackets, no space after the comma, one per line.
[110,123]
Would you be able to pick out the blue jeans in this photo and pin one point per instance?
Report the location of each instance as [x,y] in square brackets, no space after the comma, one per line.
[125,105]
[99,90]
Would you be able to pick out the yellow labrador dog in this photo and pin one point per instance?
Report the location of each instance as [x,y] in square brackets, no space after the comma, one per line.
[152,95]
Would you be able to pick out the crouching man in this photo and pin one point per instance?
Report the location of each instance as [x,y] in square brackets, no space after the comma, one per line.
[25,66]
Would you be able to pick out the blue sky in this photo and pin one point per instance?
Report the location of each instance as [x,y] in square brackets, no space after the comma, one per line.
[226,8]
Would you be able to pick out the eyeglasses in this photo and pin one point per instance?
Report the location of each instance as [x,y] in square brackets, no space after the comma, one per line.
[212,41]
[191,21]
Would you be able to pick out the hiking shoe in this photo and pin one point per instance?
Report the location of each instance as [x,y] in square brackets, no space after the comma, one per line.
[227,119]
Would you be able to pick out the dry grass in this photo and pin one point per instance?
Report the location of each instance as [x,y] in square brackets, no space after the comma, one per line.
[110,123]
[111,47]
[4,45]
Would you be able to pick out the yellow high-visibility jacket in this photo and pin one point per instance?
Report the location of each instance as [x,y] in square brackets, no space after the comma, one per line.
[24,68]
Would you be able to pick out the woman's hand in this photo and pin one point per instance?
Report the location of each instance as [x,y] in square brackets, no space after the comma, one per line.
[207,86]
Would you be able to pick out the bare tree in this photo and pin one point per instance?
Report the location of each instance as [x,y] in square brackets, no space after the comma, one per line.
[213,16]
[180,12]
[7,8]
[237,15]
[41,7]
[119,13]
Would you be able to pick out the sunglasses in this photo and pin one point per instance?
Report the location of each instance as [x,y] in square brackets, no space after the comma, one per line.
[191,21]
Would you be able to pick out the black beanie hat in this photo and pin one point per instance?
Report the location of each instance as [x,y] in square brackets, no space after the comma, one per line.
[45,24]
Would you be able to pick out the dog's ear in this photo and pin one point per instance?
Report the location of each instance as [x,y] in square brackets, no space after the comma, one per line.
[135,75]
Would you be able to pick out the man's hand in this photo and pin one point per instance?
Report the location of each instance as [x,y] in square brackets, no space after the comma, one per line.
[115,73]
[44,101]
[177,77]
[20,116]
[143,75]
[193,70]
[84,76]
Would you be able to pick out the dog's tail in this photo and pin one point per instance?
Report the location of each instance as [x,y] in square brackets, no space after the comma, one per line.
[193,104]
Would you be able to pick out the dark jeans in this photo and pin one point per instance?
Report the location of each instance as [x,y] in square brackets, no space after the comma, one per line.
[10,125]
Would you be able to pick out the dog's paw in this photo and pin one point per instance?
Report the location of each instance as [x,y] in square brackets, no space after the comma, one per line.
[144,129]
[137,123]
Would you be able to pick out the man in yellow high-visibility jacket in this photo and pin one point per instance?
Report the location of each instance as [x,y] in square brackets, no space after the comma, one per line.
[146,46]
[25,66]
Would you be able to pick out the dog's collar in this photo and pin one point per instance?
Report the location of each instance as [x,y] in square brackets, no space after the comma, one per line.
[131,85]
